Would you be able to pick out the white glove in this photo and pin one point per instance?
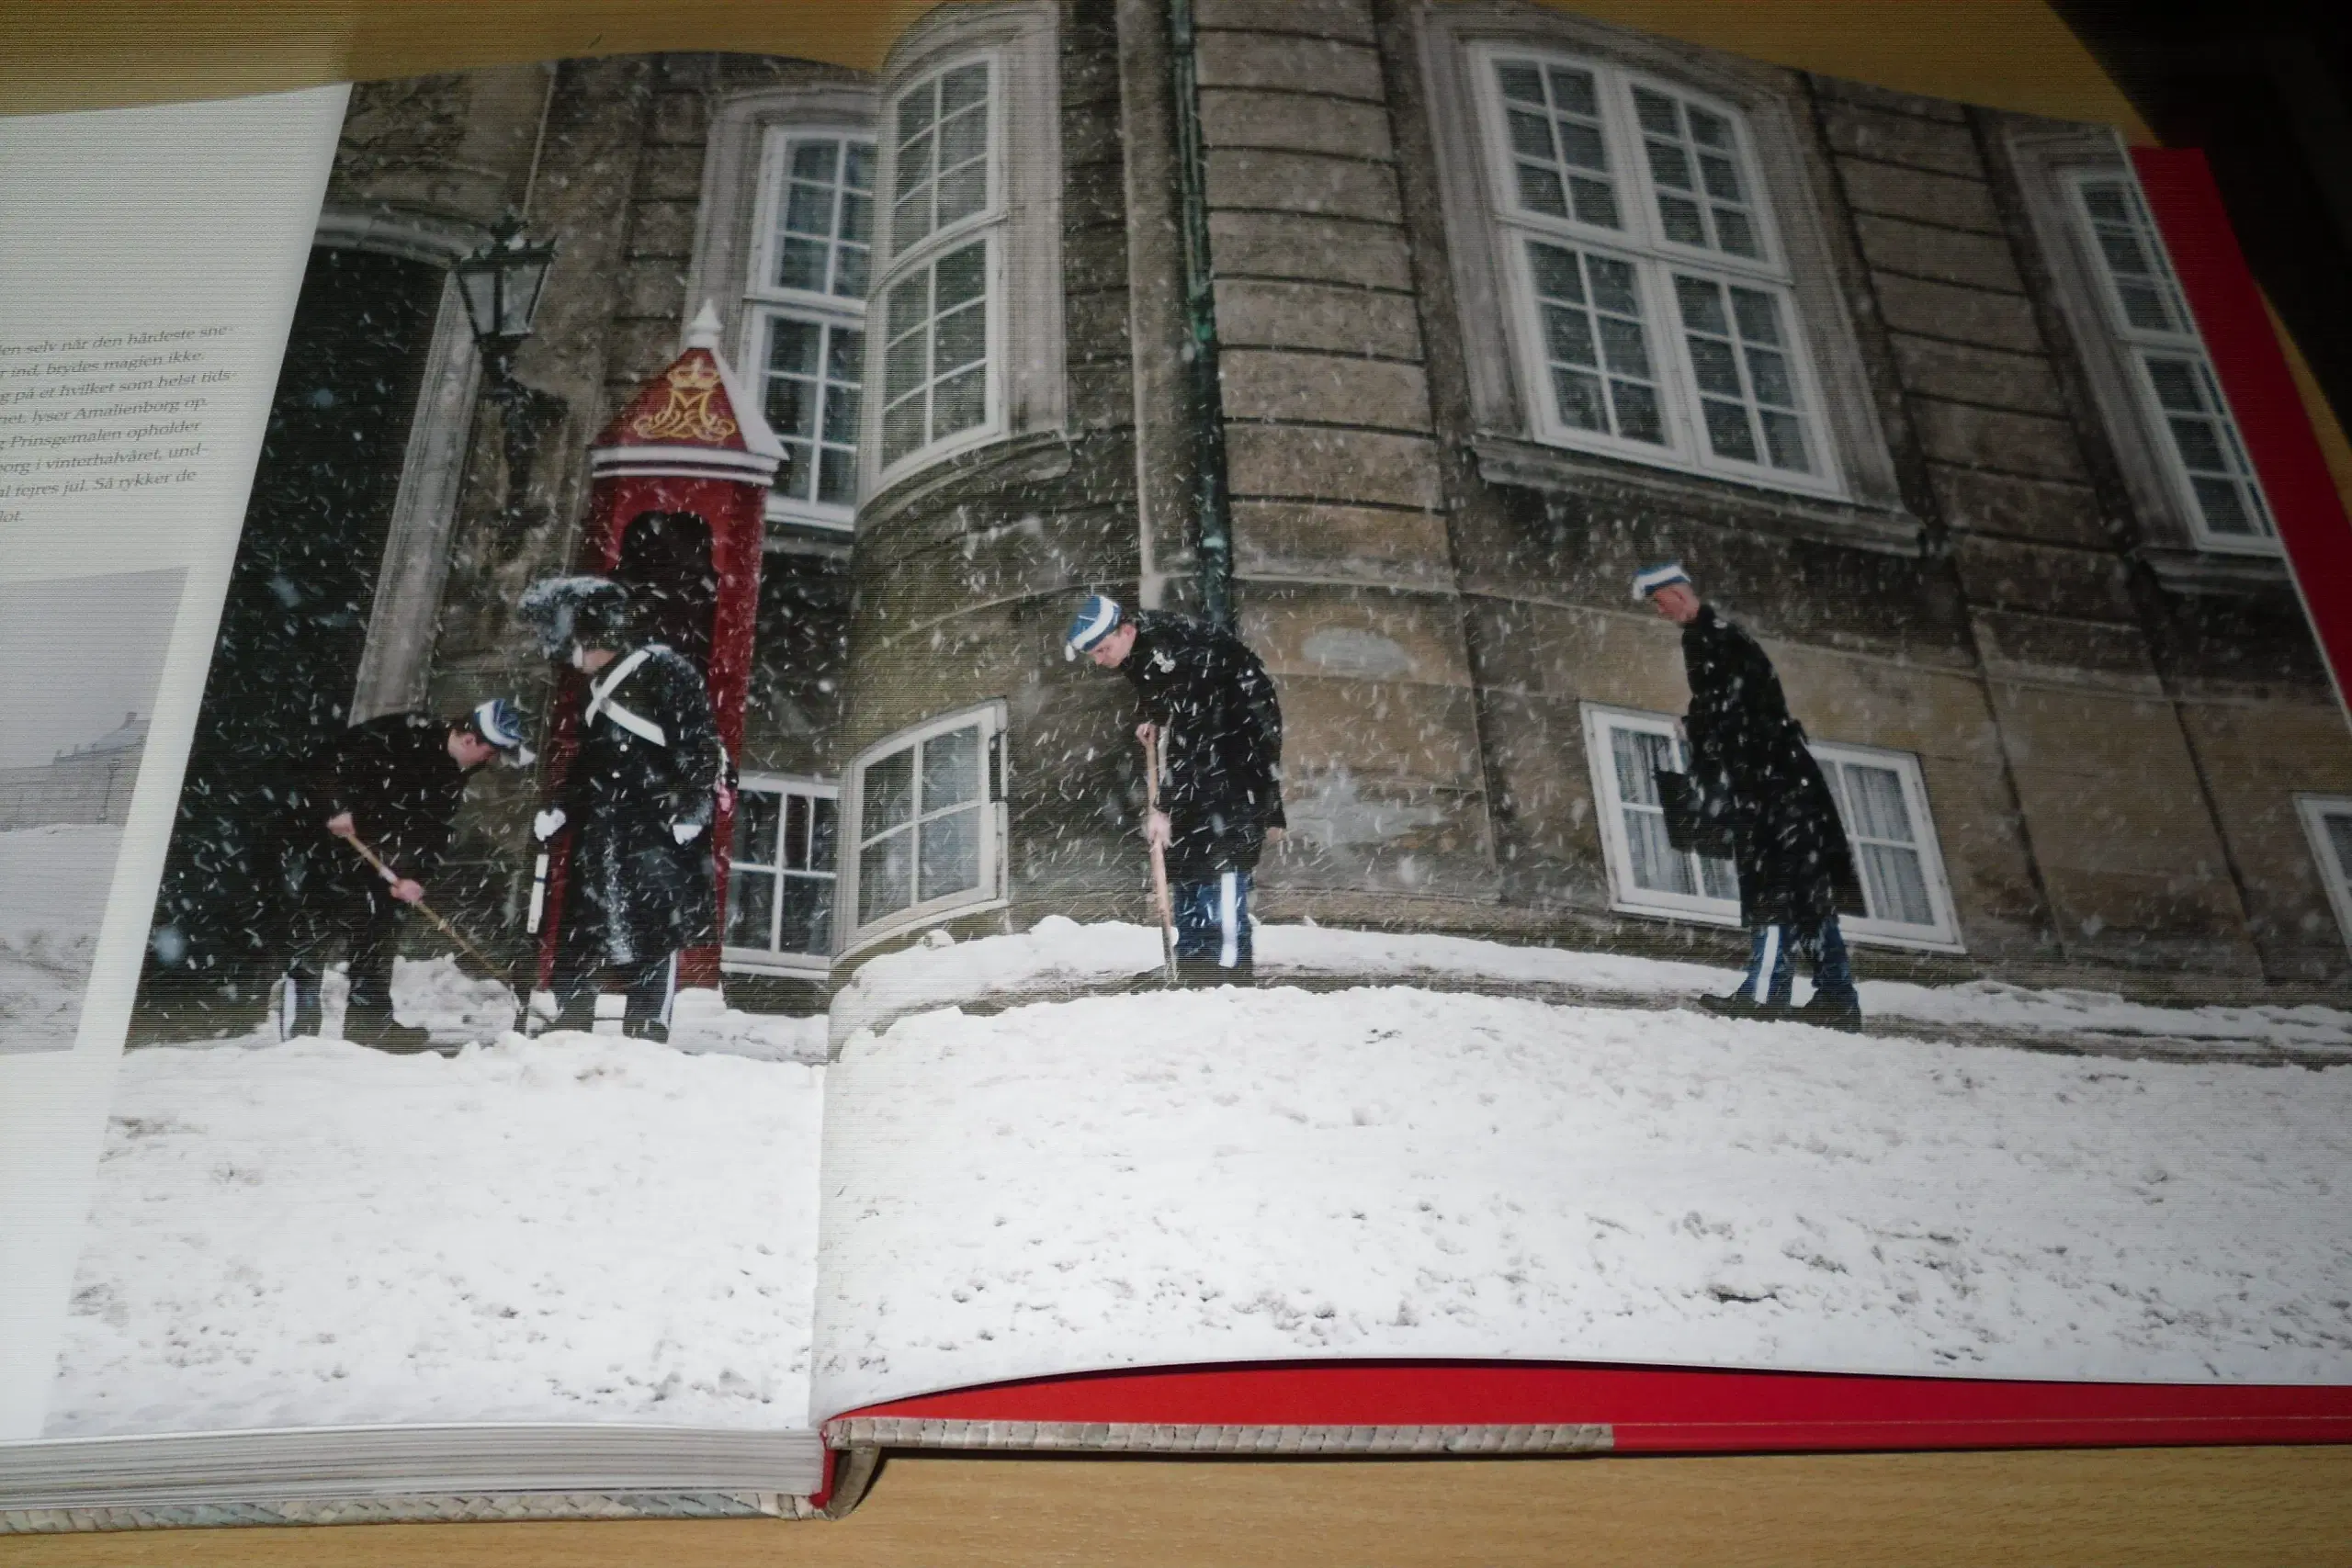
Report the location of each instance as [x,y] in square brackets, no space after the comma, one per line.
[685,833]
[548,823]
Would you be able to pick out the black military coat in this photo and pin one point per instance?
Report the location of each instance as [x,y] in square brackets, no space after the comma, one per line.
[395,776]
[648,759]
[1221,748]
[1751,765]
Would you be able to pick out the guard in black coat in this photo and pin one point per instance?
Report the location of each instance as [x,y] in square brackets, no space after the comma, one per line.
[1211,705]
[394,785]
[1754,779]
[639,802]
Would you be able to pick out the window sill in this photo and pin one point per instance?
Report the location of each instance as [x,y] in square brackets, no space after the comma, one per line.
[908,921]
[2214,571]
[1016,459]
[792,966]
[801,537]
[1729,919]
[1529,465]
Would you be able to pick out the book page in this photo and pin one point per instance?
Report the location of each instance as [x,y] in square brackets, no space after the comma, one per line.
[1657,714]
[142,333]
[290,1149]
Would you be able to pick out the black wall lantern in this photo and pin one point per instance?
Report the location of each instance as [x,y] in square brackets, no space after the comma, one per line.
[501,283]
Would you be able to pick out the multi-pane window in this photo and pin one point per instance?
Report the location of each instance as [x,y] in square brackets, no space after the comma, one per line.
[2327,822]
[928,819]
[1628,750]
[1694,159]
[1740,359]
[1655,306]
[942,175]
[1881,798]
[1558,149]
[824,218]
[1884,805]
[1594,344]
[807,313]
[2175,379]
[780,879]
[937,363]
[935,352]
[813,371]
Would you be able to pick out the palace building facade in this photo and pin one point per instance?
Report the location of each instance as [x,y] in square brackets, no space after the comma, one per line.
[1496,305]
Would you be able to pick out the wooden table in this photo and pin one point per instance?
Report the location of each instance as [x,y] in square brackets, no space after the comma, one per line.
[2142,1508]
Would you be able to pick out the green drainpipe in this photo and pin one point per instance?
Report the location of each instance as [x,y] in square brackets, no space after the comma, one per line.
[1214,542]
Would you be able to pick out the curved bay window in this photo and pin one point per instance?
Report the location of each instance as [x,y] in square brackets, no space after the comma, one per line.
[805,309]
[926,821]
[937,380]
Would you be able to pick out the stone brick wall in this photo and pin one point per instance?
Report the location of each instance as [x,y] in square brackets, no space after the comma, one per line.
[1343,575]
[2067,670]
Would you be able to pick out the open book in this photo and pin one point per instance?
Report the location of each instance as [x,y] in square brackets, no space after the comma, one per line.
[1758,832]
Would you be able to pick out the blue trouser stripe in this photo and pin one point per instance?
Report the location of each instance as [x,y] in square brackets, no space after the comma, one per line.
[1773,952]
[1213,920]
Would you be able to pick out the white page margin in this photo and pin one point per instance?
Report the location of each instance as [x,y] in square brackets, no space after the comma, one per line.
[124,219]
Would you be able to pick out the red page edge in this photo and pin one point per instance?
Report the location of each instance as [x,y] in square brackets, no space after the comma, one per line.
[1668,1410]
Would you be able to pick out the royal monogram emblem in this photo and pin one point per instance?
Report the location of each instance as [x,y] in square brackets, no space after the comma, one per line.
[685,414]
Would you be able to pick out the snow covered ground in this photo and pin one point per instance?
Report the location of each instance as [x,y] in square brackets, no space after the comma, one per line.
[434,994]
[1062,954]
[568,1229]
[1230,1175]
[580,1228]
[53,885]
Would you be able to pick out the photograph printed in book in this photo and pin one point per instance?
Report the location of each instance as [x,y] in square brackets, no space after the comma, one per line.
[83,658]
[1697,746]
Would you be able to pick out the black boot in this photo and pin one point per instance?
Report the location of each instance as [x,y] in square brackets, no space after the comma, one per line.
[1844,1014]
[374,1026]
[576,1015]
[1739,1004]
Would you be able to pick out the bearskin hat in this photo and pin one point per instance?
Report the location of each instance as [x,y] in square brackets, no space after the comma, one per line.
[565,612]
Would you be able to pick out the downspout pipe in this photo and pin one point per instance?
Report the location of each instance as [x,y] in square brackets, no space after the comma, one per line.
[1212,507]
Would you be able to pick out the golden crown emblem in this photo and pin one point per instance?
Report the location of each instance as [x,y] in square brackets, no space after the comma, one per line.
[694,375]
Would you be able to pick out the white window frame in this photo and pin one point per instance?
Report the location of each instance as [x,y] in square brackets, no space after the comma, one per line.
[1808,236]
[770,959]
[986,227]
[734,228]
[764,301]
[990,891]
[1615,849]
[2050,162]
[1943,936]
[1026,392]
[2314,810]
[1655,260]
[2136,344]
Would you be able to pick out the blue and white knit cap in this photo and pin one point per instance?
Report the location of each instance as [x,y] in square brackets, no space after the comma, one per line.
[1096,619]
[1650,579]
[500,722]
